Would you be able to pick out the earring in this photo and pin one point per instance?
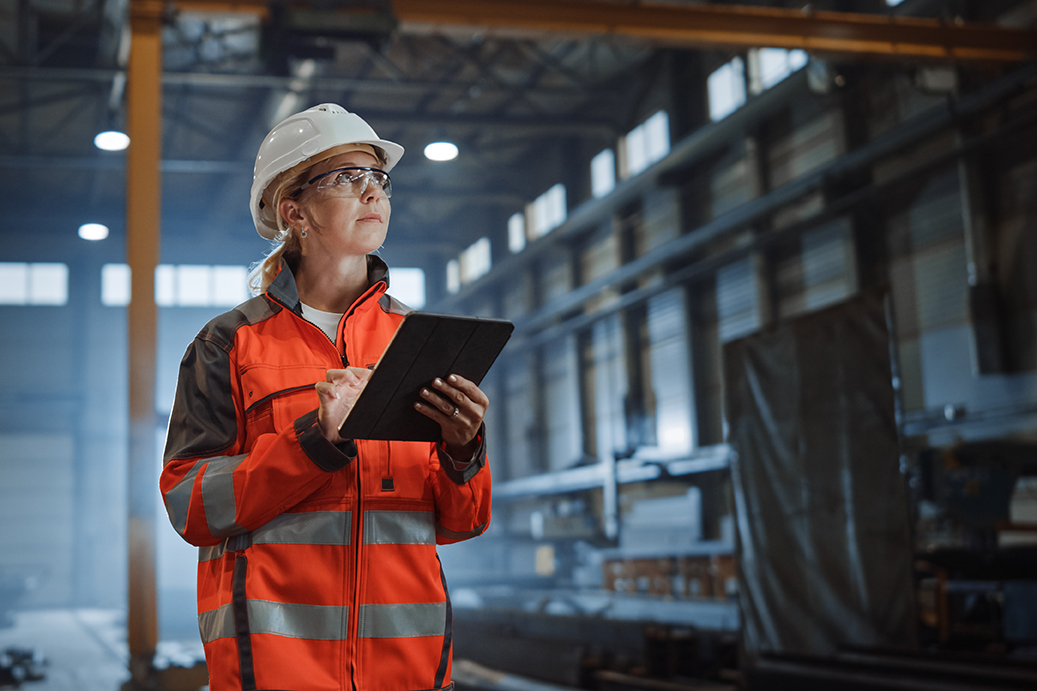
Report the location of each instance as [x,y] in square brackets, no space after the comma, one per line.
[302,233]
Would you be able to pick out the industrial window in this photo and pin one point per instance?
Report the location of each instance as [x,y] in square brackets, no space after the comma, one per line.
[453,276]
[185,285]
[770,66]
[33,284]
[517,232]
[726,89]
[548,211]
[645,144]
[603,173]
[475,261]
[893,3]
[408,286]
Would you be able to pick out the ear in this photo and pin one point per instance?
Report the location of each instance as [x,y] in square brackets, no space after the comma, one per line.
[292,212]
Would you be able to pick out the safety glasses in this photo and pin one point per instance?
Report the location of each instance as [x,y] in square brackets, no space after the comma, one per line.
[352,180]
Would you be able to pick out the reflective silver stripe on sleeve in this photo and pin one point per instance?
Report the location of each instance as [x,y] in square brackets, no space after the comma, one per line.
[216,623]
[399,528]
[218,495]
[310,528]
[211,552]
[313,622]
[402,621]
[178,499]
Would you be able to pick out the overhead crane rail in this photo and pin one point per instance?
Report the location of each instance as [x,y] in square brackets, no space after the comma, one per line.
[702,26]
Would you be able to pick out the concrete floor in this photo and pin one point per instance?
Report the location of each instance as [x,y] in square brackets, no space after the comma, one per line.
[85,648]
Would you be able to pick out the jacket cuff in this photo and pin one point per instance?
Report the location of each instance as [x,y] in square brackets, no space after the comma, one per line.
[469,467]
[327,456]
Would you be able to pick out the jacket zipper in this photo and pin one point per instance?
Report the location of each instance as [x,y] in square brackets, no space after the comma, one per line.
[353,629]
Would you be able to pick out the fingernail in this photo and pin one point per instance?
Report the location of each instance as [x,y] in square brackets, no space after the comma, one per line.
[438,382]
[453,377]
[418,406]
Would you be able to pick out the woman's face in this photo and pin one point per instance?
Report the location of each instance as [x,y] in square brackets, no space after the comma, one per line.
[338,222]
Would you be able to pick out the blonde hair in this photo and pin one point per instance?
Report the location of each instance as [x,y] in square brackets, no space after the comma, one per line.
[262,273]
[287,244]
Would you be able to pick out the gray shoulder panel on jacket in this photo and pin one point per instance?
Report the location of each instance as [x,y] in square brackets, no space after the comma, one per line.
[221,329]
[393,306]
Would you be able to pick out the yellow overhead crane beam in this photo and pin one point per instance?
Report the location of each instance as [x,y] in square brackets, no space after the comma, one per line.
[734,26]
[701,25]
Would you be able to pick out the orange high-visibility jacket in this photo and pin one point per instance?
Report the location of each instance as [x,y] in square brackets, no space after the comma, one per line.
[318,568]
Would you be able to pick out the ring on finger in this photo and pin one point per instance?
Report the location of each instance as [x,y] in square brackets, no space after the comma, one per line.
[456,411]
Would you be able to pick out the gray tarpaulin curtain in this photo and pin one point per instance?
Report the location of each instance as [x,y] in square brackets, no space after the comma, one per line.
[822,514]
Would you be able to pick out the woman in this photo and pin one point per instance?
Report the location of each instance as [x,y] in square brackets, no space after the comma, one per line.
[318,567]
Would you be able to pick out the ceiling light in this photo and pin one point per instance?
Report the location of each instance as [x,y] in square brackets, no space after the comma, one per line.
[93,231]
[111,141]
[441,151]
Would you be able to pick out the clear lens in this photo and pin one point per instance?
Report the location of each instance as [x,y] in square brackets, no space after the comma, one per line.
[354,182]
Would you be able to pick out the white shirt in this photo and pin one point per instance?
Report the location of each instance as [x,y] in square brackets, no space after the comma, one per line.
[325,321]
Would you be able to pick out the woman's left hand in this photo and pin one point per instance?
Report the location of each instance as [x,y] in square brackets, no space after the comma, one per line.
[458,406]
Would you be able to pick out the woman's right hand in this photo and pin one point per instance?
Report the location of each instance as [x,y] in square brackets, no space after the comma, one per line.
[337,394]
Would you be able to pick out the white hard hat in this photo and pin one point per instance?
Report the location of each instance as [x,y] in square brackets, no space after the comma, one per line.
[300,137]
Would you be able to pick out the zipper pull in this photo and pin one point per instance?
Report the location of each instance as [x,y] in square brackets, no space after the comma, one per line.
[345,362]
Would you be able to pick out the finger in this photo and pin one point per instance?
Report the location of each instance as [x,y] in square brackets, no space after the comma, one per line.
[446,421]
[470,389]
[362,373]
[326,390]
[438,401]
[342,376]
[456,396]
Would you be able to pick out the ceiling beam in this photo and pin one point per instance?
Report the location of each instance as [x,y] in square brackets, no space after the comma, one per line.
[735,26]
[542,124]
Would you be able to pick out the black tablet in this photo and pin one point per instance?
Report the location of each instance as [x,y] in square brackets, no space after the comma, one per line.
[425,346]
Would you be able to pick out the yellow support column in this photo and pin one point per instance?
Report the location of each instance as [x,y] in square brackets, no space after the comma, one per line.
[143,211]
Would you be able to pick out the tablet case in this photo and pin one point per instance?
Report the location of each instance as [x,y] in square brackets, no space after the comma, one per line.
[425,346]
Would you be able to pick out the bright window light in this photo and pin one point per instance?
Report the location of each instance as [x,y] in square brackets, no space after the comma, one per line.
[441,151]
[93,231]
[647,143]
[517,232]
[111,141]
[475,261]
[726,89]
[193,285]
[453,276]
[188,285]
[549,210]
[603,173]
[14,283]
[229,285]
[33,284]
[893,3]
[48,284]
[774,65]
[408,286]
[115,285]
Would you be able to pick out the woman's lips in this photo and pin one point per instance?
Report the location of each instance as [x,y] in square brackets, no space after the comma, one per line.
[371,217]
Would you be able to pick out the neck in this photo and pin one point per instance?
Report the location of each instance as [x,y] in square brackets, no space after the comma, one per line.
[329,284]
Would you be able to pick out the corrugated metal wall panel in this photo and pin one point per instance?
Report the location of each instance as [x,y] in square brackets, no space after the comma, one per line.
[730,185]
[36,502]
[829,271]
[941,287]
[556,276]
[935,213]
[737,300]
[610,386]
[660,220]
[707,364]
[806,148]
[520,408]
[671,379]
[600,255]
[563,443]
[517,298]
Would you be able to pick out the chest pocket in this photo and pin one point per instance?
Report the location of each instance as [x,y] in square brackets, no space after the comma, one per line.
[276,396]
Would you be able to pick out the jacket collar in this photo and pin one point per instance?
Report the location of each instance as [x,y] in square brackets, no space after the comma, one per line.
[284,290]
